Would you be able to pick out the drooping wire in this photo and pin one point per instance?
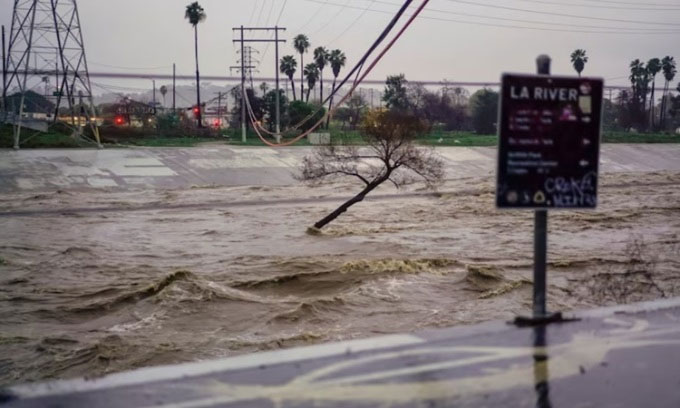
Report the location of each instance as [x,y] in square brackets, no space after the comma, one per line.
[363,59]
[370,68]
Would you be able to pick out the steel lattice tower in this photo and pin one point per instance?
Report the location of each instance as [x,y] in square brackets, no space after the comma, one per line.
[46,56]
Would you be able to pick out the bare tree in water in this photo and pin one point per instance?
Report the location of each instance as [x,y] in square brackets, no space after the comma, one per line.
[389,155]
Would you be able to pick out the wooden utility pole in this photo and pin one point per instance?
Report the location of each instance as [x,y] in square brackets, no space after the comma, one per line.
[174,81]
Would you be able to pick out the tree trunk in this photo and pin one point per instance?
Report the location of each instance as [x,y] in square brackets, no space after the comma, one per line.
[309,89]
[292,85]
[321,85]
[302,76]
[663,104]
[356,199]
[330,104]
[651,106]
[198,80]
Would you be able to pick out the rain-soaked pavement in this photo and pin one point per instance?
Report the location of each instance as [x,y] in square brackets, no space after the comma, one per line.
[217,165]
[624,357]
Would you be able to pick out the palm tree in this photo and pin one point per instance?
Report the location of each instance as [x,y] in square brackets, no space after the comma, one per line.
[669,71]
[263,88]
[301,44]
[195,14]
[311,71]
[164,91]
[639,79]
[287,67]
[578,60]
[321,59]
[653,67]
[337,60]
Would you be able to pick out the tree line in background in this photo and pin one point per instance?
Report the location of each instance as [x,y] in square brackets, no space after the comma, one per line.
[449,108]
[636,109]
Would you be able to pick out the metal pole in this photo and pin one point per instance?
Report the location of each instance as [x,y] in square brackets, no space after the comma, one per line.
[4,72]
[174,79]
[540,230]
[243,92]
[154,96]
[18,122]
[80,109]
[219,108]
[276,69]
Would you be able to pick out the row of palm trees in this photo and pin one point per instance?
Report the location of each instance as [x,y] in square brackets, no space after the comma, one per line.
[288,65]
[313,72]
[640,77]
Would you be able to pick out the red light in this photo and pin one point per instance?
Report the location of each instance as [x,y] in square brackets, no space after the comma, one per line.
[217,122]
[119,120]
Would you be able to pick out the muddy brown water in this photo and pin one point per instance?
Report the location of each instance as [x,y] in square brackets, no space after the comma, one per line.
[86,293]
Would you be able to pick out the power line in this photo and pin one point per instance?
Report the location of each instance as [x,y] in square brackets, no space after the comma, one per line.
[252,14]
[670,8]
[625,2]
[266,48]
[495,6]
[667,31]
[283,7]
[259,15]
[269,14]
[351,24]
[359,64]
[530,21]
[310,19]
[325,25]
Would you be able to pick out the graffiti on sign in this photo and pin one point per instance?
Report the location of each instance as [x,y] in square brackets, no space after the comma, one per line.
[549,142]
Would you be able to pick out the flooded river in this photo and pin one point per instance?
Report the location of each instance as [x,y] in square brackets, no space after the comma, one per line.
[98,281]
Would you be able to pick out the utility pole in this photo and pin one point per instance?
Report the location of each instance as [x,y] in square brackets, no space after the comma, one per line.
[276,42]
[174,81]
[276,69]
[221,95]
[243,93]
[4,72]
[154,96]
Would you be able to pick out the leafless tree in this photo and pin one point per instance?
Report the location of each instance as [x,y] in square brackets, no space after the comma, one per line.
[389,155]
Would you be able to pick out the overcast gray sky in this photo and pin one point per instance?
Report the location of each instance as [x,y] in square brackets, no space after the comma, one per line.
[138,34]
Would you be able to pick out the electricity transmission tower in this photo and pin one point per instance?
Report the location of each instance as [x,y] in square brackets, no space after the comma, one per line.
[248,63]
[47,70]
[242,42]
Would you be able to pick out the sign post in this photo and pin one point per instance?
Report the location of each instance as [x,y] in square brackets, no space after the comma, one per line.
[548,154]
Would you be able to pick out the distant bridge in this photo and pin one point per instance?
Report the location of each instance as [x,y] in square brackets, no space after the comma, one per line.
[236,79]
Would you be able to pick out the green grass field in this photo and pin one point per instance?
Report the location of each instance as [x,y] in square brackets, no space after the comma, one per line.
[31,139]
